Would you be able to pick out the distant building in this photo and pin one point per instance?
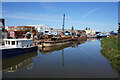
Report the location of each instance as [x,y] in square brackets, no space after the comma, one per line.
[45,29]
[79,32]
[21,28]
[19,31]
[58,31]
[90,31]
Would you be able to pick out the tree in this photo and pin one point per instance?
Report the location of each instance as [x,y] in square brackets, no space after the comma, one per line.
[51,28]
[72,27]
[112,32]
[89,28]
[72,30]
[28,30]
[86,28]
[119,30]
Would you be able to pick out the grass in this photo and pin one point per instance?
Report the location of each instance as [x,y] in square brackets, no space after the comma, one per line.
[111,50]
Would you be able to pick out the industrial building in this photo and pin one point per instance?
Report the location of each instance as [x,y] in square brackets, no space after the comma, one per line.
[44,29]
[19,31]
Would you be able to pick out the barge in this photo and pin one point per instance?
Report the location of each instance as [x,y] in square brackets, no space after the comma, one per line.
[56,41]
[47,50]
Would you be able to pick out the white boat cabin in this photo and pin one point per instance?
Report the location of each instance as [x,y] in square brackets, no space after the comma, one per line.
[18,43]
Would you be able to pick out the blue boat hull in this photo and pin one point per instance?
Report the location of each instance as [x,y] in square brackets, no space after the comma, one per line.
[7,53]
[101,36]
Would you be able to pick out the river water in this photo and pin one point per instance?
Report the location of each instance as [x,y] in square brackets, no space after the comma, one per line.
[78,60]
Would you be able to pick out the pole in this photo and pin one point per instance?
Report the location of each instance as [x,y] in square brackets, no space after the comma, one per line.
[63,22]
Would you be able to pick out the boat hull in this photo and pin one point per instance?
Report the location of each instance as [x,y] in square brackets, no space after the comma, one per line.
[101,36]
[54,44]
[7,53]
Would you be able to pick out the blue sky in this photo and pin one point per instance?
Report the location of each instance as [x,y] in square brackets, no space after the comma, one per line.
[100,16]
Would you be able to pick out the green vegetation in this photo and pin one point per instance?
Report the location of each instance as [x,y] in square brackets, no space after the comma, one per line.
[110,49]
[51,28]
[28,30]
[119,30]
[72,28]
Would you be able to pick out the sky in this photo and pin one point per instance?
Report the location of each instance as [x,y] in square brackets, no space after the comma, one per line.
[100,16]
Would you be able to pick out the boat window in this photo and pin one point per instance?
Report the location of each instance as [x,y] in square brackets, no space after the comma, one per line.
[9,42]
[46,31]
[13,42]
[17,42]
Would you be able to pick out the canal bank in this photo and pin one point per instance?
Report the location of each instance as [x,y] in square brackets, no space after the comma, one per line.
[82,61]
[110,50]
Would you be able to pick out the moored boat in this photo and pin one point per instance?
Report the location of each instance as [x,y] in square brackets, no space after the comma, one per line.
[56,41]
[101,35]
[15,47]
[46,50]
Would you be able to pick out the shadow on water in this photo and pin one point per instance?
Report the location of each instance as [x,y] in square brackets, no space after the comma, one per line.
[18,62]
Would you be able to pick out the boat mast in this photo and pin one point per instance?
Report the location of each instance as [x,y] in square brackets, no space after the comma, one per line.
[63,22]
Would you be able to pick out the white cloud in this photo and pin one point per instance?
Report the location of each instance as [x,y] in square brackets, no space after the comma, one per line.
[57,19]
[4,11]
[35,17]
[89,13]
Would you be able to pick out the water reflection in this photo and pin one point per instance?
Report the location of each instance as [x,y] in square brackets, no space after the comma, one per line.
[16,63]
[63,57]
[91,39]
[81,59]
[47,50]
[73,44]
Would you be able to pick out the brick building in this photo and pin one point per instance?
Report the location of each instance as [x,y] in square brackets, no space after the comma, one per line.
[19,31]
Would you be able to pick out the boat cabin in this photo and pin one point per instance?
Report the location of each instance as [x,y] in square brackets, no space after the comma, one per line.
[18,43]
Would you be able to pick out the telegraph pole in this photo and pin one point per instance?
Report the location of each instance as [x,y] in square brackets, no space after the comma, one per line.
[63,22]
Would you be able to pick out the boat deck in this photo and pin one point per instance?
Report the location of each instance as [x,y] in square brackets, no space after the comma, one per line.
[8,47]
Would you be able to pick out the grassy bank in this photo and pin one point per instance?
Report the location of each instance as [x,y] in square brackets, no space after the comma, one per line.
[110,49]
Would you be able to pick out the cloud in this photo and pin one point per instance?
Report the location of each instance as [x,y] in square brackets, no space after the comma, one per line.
[4,11]
[57,19]
[49,7]
[35,17]
[89,13]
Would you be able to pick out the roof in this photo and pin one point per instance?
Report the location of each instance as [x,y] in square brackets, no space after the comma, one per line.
[39,25]
[16,39]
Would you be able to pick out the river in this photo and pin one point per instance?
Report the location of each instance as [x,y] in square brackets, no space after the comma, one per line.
[82,60]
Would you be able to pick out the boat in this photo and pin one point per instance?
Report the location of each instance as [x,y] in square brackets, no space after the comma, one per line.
[47,50]
[56,41]
[101,35]
[16,47]
[92,36]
